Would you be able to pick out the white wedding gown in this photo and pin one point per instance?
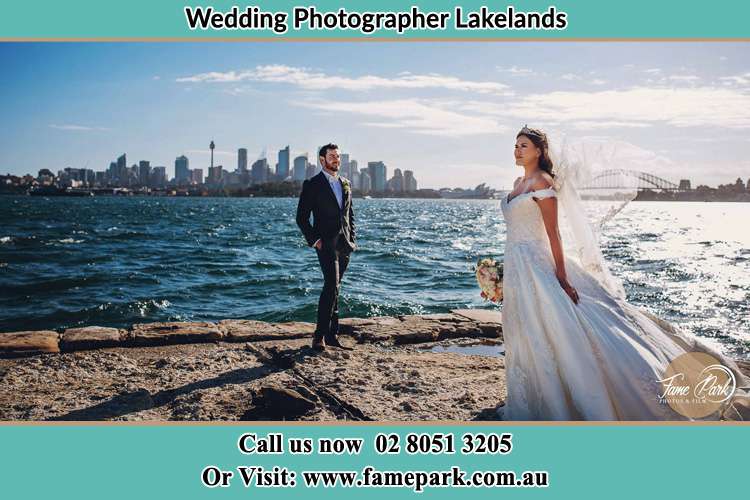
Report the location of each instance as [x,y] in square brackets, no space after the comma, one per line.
[598,360]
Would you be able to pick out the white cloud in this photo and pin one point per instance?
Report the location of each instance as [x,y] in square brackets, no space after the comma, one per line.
[684,78]
[678,107]
[589,125]
[79,128]
[573,77]
[516,71]
[428,117]
[743,79]
[311,80]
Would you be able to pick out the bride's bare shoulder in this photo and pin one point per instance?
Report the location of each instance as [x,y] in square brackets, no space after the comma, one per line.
[542,181]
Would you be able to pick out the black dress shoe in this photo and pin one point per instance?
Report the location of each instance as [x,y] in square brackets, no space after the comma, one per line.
[335,343]
[318,345]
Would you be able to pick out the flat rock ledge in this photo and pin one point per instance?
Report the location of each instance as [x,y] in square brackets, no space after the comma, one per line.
[400,330]
[406,368]
[437,367]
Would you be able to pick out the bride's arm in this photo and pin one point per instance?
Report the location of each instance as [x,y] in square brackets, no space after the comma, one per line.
[548,207]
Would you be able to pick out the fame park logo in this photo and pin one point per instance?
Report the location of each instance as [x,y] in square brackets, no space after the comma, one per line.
[696,385]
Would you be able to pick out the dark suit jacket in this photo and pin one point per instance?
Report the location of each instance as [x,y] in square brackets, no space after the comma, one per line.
[329,220]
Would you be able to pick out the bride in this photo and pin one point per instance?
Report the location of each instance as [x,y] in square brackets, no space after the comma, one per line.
[575,349]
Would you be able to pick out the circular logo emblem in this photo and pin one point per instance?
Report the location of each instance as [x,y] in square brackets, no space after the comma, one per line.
[695,384]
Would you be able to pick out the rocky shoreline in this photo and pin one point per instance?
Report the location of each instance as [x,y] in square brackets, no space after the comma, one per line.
[251,370]
[406,368]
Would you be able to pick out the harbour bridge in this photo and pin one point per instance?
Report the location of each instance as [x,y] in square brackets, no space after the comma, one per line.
[620,178]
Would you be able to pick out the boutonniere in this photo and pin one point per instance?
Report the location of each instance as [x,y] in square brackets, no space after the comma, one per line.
[346,185]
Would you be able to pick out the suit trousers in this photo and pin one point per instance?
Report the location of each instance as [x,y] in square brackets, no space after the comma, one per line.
[334,259]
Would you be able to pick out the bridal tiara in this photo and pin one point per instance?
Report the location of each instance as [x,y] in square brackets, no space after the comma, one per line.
[530,131]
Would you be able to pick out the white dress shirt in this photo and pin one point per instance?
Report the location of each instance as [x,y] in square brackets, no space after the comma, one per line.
[338,192]
[333,181]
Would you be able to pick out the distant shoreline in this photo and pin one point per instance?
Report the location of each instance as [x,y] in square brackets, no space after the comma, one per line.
[744,198]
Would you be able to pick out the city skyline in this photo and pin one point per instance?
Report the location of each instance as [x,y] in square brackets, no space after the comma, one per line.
[142,176]
[447,112]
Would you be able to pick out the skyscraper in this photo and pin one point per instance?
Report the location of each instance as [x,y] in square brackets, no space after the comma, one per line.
[282,168]
[354,174]
[215,175]
[300,167]
[112,172]
[122,169]
[158,177]
[345,166]
[144,172]
[242,160]
[181,171]
[197,176]
[365,184]
[311,169]
[259,174]
[132,175]
[410,183]
[396,183]
[378,173]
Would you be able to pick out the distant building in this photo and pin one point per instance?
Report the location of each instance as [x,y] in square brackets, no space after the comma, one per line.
[144,172]
[131,176]
[159,177]
[410,183]
[100,178]
[89,176]
[242,160]
[233,179]
[45,177]
[355,180]
[311,170]
[396,183]
[121,171]
[181,171]
[282,168]
[365,183]
[344,169]
[300,168]
[197,176]
[684,185]
[378,173]
[215,174]
[259,172]
[748,184]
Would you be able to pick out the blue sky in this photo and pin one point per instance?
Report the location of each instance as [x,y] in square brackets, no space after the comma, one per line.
[447,111]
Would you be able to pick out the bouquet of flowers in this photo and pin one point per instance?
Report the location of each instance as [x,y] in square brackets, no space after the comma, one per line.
[490,278]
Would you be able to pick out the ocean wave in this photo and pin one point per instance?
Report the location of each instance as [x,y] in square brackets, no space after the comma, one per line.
[67,241]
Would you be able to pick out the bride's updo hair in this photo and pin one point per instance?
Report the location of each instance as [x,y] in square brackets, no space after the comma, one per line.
[539,139]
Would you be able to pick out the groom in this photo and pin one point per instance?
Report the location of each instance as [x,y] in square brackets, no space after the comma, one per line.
[328,197]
